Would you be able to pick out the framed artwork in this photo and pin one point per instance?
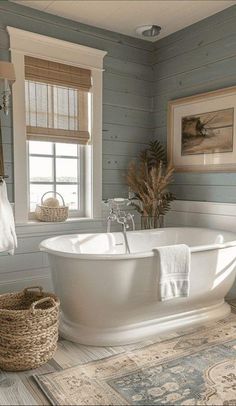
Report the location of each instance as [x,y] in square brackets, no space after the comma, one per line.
[202,132]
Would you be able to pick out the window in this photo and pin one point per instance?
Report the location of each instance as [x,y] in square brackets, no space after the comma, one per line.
[56,167]
[60,125]
[57,109]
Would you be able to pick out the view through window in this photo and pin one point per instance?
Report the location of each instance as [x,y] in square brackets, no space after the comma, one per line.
[55,167]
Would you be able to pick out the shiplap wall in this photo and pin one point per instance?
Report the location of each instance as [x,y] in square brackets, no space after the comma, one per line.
[29,266]
[128,80]
[127,126]
[139,79]
[198,59]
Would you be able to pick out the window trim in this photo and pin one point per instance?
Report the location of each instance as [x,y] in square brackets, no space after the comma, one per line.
[27,43]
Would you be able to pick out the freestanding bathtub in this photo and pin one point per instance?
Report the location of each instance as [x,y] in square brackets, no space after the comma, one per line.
[109,297]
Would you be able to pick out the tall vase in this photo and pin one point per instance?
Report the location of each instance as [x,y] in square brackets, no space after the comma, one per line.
[149,222]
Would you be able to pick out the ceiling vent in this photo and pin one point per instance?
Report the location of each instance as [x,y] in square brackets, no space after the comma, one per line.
[148,31]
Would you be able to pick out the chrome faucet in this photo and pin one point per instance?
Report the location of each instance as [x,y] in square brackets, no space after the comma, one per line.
[119,215]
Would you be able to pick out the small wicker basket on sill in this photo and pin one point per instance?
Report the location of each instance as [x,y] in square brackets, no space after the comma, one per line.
[28,328]
[46,213]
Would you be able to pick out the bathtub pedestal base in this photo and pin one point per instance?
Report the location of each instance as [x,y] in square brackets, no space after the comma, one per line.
[137,332]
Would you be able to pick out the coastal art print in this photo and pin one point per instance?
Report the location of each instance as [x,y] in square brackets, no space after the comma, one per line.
[207,133]
[202,133]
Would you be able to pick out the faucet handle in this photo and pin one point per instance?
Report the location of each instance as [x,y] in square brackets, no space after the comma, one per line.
[116,204]
[112,216]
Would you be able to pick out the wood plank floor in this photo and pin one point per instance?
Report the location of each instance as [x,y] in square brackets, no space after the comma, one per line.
[21,389]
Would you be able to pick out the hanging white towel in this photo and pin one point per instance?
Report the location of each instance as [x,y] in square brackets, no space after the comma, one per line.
[8,240]
[174,271]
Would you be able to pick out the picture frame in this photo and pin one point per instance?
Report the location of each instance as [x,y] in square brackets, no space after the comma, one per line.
[202,132]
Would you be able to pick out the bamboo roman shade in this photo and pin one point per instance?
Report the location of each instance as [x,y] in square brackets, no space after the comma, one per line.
[56,101]
[41,70]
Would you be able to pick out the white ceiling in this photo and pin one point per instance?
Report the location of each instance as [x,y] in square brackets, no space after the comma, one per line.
[125,16]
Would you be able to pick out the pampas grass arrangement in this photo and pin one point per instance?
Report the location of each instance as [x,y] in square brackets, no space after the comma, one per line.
[148,179]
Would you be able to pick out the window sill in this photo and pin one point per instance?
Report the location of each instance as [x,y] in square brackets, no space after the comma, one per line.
[52,223]
[72,225]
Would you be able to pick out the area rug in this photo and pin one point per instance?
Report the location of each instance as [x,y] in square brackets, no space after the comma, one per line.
[198,368]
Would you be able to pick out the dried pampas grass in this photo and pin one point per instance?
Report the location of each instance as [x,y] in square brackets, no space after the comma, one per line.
[148,179]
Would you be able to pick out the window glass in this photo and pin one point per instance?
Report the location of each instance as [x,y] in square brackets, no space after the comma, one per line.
[41,169]
[66,149]
[66,170]
[36,193]
[70,195]
[40,147]
[54,167]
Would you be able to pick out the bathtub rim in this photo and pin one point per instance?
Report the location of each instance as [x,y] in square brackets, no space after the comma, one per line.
[143,254]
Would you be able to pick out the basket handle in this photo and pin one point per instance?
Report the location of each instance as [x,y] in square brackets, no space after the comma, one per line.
[51,191]
[33,287]
[43,300]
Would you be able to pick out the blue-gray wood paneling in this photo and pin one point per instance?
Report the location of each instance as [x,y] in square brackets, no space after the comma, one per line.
[139,80]
[128,121]
[197,59]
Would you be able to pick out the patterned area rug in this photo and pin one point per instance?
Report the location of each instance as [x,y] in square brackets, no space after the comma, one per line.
[197,368]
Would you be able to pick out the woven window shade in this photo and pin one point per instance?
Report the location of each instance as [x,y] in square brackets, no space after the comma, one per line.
[41,70]
[56,98]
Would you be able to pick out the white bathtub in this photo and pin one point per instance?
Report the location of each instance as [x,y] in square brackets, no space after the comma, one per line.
[111,298]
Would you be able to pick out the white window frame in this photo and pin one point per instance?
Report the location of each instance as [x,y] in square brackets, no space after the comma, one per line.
[40,46]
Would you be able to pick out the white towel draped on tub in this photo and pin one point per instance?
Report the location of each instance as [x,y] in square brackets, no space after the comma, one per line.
[8,240]
[174,271]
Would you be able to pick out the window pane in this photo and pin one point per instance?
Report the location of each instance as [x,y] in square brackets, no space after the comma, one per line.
[31,107]
[66,149]
[42,105]
[41,169]
[70,195]
[66,170]
[41,148]
[36,192]
[73,109]
[61,107]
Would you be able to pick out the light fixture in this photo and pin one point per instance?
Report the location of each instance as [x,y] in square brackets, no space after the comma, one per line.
[7,77]
[148,30]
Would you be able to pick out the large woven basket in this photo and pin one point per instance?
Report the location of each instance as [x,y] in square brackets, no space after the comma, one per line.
[28,328]
[45,213]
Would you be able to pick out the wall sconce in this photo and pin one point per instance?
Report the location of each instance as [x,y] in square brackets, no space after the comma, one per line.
[7,77]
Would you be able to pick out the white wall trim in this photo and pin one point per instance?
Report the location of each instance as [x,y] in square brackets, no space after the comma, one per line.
[28,43]
[202,214]
[227,209]
[53,48]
